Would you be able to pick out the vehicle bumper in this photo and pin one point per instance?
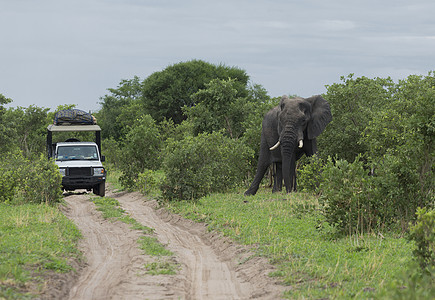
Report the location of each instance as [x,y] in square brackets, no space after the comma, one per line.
[82,182]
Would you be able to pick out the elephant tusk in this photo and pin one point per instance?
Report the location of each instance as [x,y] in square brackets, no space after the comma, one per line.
[275,146]
[301,143]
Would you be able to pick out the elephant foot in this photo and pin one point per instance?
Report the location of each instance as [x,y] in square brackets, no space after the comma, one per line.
[250,193]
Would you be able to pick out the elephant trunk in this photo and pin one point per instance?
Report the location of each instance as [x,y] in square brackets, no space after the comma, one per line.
[288,141]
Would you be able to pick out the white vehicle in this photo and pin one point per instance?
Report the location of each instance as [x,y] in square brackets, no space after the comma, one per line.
[80,163]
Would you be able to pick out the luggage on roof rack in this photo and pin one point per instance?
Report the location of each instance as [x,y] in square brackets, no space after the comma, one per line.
[73,116]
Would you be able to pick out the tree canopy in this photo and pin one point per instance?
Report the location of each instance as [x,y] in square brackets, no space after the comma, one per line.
[165,93]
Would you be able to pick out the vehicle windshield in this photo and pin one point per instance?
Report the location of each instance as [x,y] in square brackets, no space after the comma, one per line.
[77,153]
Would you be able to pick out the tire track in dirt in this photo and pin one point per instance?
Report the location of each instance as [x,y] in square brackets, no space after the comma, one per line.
[210,264]
[114,263]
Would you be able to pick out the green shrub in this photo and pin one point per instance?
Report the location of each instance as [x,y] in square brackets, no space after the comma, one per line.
[393,126]
[140,150]
[310,174]
[354,102]
[423,233]
[9,175]
[412,284]
[344,200]
[112,151]
[395,185]
[29,180]
[149,182]
[40,181]
[197,166]
[357,197]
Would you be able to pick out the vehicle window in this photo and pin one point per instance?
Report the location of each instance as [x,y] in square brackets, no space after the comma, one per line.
[77,153]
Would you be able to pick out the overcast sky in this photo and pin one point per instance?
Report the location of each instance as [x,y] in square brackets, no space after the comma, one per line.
[70,52]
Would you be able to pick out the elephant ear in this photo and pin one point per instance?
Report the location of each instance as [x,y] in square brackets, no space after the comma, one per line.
[320,116]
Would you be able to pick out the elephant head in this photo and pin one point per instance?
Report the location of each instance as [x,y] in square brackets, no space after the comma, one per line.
[289,131]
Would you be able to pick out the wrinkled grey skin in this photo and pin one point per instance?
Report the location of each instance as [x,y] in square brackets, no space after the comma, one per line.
[290,122]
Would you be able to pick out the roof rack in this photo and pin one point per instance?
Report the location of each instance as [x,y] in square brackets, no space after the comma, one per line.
[74,127]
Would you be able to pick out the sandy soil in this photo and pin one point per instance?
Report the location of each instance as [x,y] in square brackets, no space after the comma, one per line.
[211,266]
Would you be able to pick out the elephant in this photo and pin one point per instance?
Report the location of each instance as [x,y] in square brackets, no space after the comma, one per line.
[289,131]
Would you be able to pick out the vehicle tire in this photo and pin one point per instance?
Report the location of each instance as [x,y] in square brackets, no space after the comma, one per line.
[102,189]
[95,189]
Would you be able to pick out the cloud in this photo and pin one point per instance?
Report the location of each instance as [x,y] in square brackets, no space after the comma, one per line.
[72,51]
[337,25]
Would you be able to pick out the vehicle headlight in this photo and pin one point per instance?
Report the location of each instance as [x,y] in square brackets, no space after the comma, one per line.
[98,171]
[62,171]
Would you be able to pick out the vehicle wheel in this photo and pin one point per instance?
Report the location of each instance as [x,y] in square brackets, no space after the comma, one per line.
[95,189]
[102,189]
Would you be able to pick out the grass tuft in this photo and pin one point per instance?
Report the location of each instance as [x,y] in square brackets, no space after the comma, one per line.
[161,268]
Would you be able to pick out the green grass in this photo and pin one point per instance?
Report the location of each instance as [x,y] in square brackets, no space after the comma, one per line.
[290,231]
[111,209]
[34,239]
[151,246]
[112,179]
[161,268]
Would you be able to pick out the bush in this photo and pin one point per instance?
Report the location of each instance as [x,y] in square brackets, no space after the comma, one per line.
[112,151]
[149,182]
[393,127]
[9,167]
[140,150]
[423,233]
[41,181]
[354,103]
[395,184]
[30,181]
[345,200]
[419,281]
[412,284]
[358,197]
[310,174]
[197,166]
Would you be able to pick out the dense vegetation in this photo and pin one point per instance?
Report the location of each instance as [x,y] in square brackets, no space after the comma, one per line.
[193,129]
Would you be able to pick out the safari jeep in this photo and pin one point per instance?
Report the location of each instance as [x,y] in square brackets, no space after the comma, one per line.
[80,163]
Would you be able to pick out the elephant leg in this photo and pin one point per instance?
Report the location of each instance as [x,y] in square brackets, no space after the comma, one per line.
[261,170]
[277,185]
[294,181]
[289,185]
[271,175]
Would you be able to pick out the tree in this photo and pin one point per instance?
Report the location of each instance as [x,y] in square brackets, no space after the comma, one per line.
[218,107]
[125,97]
[392,131]
[4,130]
[214,107]
[140,150]
[28,126]
[165,93]
[353,104]
[403,133]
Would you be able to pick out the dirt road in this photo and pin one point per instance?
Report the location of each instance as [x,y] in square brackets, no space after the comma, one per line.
[211,267]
